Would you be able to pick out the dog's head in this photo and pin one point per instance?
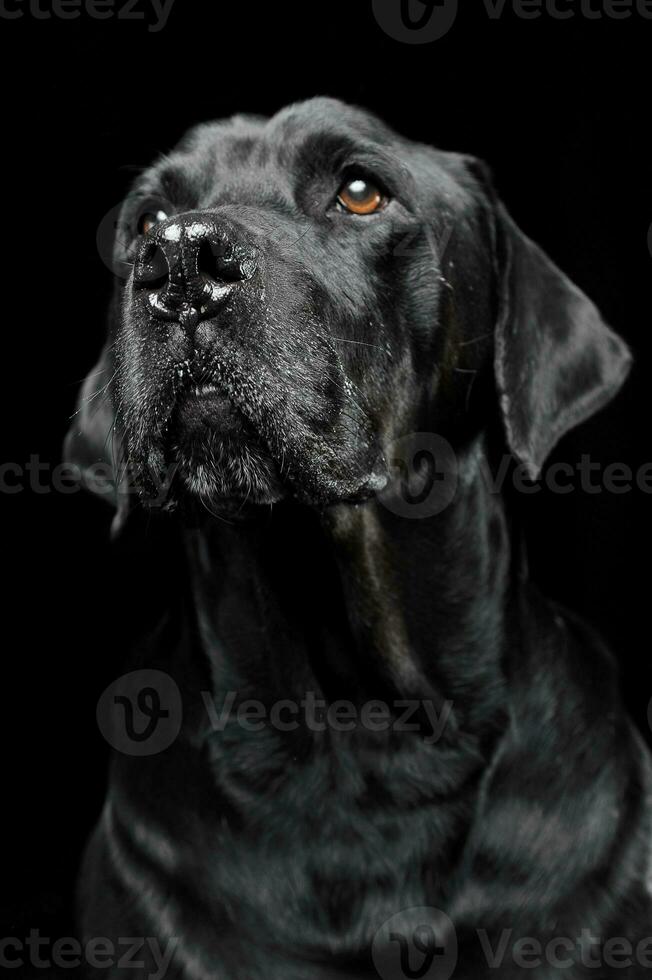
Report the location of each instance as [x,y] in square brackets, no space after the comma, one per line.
[300,291]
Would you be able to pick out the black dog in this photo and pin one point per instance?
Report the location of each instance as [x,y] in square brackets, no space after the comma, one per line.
[300,295]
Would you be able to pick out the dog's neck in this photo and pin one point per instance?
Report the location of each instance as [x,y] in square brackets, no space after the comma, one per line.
[355,605]
[358,603]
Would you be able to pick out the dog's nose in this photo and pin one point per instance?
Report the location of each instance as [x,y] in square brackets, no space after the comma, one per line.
[189,264]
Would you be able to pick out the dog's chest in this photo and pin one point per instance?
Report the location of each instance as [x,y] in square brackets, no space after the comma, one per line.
[321,851]
[310,855]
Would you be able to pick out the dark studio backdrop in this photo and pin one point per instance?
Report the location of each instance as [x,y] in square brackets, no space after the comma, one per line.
[559,108]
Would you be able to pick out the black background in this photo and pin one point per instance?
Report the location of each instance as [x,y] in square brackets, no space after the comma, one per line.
[560,109]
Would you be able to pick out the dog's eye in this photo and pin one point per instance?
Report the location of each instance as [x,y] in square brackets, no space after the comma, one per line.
[360,196]
[149,219]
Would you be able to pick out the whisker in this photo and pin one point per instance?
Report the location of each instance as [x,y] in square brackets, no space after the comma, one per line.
[476,340]
[217,516]
[80,381]
[359,343]
[292,244]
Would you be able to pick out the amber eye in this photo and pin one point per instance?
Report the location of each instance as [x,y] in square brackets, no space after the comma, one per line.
[359,196]
[149,219]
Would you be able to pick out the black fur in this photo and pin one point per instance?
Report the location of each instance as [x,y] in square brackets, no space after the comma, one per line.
[280,854]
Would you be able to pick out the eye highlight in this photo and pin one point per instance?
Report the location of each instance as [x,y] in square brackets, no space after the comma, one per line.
[149,219]
[360,196]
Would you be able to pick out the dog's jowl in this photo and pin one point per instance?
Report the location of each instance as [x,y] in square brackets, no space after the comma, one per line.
[421,764]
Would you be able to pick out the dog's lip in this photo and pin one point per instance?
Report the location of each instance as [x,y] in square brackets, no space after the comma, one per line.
[208,405]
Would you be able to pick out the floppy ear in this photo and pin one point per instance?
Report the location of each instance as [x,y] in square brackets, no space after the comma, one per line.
[556,361]
[92,444]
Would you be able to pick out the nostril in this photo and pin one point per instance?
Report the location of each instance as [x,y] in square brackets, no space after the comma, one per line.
[152,268]
[219,263]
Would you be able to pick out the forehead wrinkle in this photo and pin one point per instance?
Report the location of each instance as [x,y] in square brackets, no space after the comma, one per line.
[333,154]
[241,150]
[221,177]
[248,170]
[252,192]
[186,176]
[211,145]
[318,142]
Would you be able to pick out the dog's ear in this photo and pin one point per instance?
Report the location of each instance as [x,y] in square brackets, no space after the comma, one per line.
[556,361]
[92,445]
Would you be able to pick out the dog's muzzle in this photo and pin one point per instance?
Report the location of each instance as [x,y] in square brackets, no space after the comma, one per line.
[189,265]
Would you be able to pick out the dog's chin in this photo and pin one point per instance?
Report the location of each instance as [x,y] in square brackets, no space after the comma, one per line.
[218,458]
[213,454]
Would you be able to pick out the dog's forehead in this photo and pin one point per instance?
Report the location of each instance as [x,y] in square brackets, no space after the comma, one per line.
[269,155]
[314,123]
[330,116]
[286,143]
